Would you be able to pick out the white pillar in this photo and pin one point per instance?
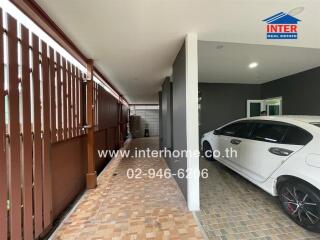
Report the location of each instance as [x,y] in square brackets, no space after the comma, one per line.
[192,119]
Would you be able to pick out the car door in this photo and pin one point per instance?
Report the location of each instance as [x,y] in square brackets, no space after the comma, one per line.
[267,149]
[227,142]
[231,141]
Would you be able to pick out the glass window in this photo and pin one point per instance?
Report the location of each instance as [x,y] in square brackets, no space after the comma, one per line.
[297,136]
[231,129]
[255,109]
[269,132]
[239,129]
[245,129]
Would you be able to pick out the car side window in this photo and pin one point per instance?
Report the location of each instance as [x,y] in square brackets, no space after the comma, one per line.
[231,129]
[269,132]
[245,130]
[297,136]
[239,129]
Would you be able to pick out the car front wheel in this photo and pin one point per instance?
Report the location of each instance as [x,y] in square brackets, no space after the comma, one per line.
[207,151]
[301,202]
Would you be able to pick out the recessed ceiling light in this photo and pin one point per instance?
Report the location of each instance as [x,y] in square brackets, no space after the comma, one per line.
[253,65]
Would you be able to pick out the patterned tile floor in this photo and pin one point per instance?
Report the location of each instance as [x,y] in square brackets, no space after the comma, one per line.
[123,208]
[233,208]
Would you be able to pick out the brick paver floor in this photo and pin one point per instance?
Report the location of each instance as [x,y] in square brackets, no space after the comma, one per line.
[123,208]
[233,208]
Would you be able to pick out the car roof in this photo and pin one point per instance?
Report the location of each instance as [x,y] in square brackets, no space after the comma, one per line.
[285,118]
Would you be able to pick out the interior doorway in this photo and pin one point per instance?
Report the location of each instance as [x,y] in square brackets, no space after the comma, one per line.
[270,106]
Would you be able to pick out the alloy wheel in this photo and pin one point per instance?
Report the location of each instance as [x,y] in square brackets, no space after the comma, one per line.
[300,205]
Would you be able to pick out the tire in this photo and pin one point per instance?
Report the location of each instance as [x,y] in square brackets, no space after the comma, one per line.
[207,151]
[301,202]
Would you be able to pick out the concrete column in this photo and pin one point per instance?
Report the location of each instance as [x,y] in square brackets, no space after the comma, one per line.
[192,119]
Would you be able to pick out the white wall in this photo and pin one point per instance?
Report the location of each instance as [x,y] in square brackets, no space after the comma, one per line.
[150,117]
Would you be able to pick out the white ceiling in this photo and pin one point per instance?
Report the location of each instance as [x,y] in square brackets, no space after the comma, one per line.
[134,42]
[228,62]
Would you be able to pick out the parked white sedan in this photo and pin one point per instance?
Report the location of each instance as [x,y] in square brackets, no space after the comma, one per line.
[279,154]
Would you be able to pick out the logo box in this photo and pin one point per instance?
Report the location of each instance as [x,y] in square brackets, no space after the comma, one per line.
[282,26]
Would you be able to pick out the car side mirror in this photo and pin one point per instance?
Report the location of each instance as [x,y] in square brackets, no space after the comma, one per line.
[217,132]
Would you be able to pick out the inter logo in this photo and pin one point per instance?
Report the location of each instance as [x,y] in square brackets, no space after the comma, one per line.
[282,26]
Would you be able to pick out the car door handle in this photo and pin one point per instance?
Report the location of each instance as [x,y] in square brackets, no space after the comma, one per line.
[235,141]
[280,151]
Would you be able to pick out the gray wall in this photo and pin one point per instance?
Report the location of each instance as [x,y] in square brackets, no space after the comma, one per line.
[179,116]
[173,116]
[160,121]
[222,103]
[166,108]
[300,92]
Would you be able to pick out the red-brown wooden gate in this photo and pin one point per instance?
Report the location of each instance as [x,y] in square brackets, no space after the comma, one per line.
[42,113]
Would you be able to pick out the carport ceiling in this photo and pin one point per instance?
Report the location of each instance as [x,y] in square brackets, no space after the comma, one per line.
[135,42]
[221,62]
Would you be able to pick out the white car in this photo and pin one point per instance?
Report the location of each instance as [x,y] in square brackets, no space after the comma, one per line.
[280,154]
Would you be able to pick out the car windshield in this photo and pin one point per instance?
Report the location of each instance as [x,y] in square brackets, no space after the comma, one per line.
[316,124]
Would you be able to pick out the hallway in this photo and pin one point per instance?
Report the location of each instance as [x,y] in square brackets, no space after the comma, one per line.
[123,208]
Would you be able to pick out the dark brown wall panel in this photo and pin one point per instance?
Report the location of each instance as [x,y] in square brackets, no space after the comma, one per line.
[59,102]
[95,105]
[73,104]
[100,140]
[3,165]
[124,118]
[96,109]
[14,131]
[113,112]
[123,122]
[108,118]
[47,205]
[37,156]
[65,97]
[76,101]
[69,101]
[81,103]
[52,96]
[68,172]
[27,138]
[107,109]
[112,138]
